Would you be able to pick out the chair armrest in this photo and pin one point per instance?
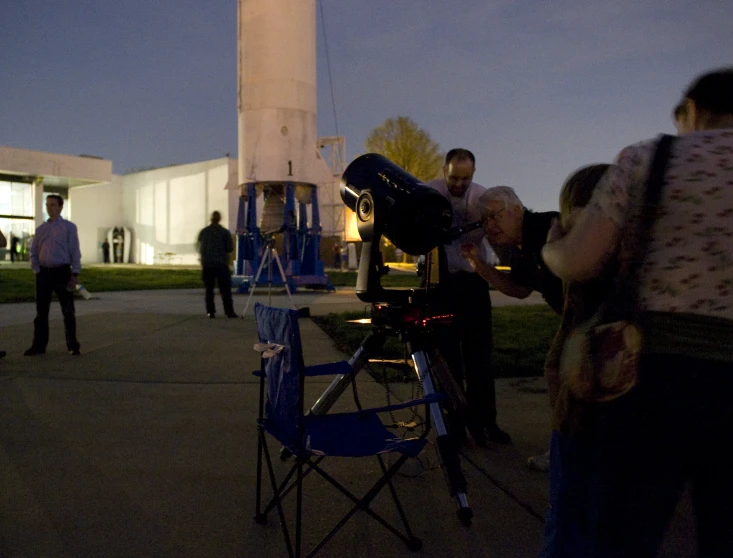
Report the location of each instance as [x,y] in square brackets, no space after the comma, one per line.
[329,369]
[432,398]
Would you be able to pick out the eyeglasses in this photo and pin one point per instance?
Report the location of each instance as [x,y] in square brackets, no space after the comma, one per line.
[493,216]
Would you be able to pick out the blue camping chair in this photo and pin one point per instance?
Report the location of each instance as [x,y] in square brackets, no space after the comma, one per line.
[310,438]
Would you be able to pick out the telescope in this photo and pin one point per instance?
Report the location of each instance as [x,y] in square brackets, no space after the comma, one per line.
[457,232]
[390,202]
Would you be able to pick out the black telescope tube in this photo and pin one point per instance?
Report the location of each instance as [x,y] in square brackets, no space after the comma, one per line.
[413,216]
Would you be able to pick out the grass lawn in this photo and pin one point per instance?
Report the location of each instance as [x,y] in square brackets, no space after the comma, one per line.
[18,284]
[522,337]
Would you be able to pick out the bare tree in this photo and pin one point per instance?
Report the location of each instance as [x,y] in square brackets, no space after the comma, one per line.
[401,140]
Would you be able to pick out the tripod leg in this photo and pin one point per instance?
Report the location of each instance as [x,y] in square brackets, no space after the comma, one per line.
[257,278]
[270,252]
[447,447]
[448,384]
[359,360]
[285,281]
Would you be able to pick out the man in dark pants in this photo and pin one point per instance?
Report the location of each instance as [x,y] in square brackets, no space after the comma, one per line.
[215,244]
[3,243]
[467,347]
[56,261]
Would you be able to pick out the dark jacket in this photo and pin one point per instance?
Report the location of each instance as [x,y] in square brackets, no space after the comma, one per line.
[528,267]
[215,245]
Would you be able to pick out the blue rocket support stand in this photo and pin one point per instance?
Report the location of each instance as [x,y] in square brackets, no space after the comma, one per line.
[241,238]
[300,256]
[248,241]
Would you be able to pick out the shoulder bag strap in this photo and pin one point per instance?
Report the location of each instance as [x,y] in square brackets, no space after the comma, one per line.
[627,287]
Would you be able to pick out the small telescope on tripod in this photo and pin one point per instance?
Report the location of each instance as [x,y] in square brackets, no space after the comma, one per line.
[390,202]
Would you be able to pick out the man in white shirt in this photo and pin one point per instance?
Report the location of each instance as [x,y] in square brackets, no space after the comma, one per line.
[56,261]
[468,347]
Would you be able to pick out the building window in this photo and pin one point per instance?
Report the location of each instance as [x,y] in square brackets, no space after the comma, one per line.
[16,216]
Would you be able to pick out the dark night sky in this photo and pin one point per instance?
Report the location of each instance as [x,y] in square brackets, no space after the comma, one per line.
[534,89]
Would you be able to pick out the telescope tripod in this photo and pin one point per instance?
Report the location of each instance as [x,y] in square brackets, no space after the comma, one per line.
[420,339]
[268,258]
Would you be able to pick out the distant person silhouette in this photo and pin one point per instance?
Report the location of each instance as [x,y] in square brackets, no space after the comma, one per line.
[13,247]
[214,245]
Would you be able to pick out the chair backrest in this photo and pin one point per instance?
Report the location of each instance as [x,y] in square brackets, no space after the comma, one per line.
[283,371]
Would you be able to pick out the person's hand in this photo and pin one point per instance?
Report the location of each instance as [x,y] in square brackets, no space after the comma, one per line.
[73,282]
[470,251]
[556,231]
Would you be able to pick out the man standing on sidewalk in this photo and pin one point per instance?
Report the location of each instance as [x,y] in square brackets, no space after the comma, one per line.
[467,348]
[56,261]
[3,243]
[215,244]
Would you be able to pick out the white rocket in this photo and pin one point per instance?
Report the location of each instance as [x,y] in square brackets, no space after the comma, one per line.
[278,140]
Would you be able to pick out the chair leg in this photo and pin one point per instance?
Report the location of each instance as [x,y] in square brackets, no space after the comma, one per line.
[409,539]
[284,489]
[299,508]
[260,517]
[276,497]
[279,492]
[413,542]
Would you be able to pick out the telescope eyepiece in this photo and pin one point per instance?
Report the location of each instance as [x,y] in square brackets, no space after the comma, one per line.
[365,206]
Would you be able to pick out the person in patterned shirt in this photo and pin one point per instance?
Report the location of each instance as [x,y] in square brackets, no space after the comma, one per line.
[667,430]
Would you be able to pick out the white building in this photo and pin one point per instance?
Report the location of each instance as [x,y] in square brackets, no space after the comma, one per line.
[164,208]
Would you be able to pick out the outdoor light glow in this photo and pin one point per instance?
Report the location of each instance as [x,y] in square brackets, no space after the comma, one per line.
[147,253]
[352,230]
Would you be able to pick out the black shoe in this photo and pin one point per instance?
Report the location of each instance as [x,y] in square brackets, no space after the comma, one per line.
[479,436]
[74,352]
[498,436]
[232,315]
[33,352]
[211,315]
[2,354]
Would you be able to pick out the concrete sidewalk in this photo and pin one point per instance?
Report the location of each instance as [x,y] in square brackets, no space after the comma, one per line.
[146,444]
